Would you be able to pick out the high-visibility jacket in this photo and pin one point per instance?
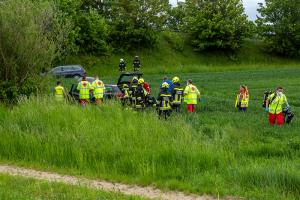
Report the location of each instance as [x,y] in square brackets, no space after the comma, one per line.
[84,88]
[191,94]
[99,89]
[242,100]
[59,93]
[275,104]
[177,95]
[164,100]
[125,91]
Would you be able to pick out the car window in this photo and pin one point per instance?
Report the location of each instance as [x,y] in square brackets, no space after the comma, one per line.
[108,89]
[127,78]
[76,68]
[116,89]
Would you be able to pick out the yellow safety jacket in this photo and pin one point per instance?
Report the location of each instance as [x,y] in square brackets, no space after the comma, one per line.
[165,103]
[275,104]
[191,94]
[178,96]
[243,102]
[59,93]
[84,88]
[99,89]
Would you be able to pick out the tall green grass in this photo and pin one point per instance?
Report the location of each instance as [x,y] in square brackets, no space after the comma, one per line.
[15,188]
[216,151]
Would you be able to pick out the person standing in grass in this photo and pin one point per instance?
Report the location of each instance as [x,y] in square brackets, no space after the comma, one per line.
[191,96]
[59,92]
[122,65]
[164,101]
[98,90]
[170,83]
[177,94]
[136,64]
[84,88]
[242,99]
[274,107]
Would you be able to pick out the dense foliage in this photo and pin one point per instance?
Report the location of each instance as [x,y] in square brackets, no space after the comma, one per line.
[136,23]
[279,25]
[216,24]
[31,37]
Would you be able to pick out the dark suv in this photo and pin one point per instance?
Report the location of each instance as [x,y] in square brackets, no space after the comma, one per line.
[68,71]
[126,77]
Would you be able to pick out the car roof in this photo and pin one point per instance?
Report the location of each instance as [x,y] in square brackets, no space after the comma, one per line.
[69,66]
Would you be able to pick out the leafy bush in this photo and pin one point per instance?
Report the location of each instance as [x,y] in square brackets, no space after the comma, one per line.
[93,32]
[136,24]
[31,37]
[219,24]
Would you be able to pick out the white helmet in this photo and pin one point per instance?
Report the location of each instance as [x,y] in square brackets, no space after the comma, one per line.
[121,60]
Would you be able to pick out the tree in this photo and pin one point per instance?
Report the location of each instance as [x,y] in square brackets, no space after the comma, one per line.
[93,33]
[216,24]
[176,17]
[279,26]
[90,31]
[31,37]
[136,23]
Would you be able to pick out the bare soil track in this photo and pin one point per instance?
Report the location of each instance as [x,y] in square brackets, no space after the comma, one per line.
[147,192]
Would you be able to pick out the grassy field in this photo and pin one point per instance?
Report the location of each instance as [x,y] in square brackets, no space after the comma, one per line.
[216,151]
[165,59]
[13,188]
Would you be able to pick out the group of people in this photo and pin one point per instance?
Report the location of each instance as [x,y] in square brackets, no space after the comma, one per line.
[275,104]
[136,64]
[172,95]
[86,91]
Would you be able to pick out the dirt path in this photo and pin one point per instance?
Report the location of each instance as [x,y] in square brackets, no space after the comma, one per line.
[148,192]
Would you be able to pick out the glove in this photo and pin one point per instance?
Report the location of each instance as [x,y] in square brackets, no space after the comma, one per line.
[267,109]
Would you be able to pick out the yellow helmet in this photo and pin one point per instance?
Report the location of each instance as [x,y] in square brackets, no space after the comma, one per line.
[134,78]
[175,79]
[141,81]
[165,85]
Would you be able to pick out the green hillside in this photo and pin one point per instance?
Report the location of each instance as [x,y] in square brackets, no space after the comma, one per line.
[166,59]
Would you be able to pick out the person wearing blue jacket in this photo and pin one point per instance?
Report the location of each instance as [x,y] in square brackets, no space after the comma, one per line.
[166,80]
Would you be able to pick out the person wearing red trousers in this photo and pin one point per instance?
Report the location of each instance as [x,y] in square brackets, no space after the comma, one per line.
[274,106]
[191,95]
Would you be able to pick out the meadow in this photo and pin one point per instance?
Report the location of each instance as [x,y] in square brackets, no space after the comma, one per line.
[216,151]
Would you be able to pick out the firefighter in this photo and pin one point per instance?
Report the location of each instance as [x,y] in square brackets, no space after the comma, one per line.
[177,94]
[132,90]
[164,101]
[84,88]
[167,80]
[122,65]
[125,100]
[242,99]
[98,90]
[274,107]
[136,64]
[59,92]
[140,94]
[191,96]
